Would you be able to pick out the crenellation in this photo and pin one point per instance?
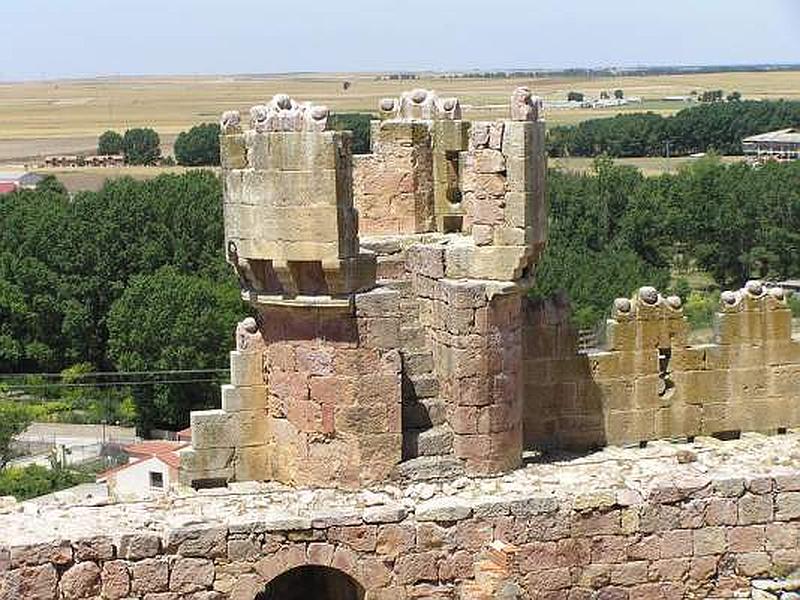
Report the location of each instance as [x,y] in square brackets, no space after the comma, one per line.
[650,383]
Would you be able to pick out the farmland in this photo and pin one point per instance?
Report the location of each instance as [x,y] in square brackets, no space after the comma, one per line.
[39,118]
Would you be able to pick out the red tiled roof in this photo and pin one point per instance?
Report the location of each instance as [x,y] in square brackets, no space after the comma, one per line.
[7,187]
[170,458]
[153,447]
[185,435]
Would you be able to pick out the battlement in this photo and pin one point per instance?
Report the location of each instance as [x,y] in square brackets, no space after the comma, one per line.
[649,382]
[291,229]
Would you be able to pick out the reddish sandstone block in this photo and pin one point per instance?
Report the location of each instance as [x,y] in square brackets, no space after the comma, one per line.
[149,575]
[746,539]
[676,543]
[457,566]
[703,568]
[609,549]
[362,538]
[753,509]
[630,573]
[116,580]
[669,569]
[547,580]
[416,568]
[538,555]
[645,548]
[753,564]
[82,580]
[721,511]
[572,552]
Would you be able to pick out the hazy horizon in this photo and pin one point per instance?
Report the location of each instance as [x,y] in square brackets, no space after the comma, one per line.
[92,38]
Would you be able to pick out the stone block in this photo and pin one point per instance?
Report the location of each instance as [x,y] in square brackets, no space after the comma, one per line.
[82,580]
[115,580]
[246,368]
[191,575]
[488,161]
[235,399]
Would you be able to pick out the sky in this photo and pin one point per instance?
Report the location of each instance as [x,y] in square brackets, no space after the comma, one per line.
[46,39]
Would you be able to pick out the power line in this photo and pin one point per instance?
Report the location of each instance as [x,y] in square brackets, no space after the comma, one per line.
[113,373]
[112,384]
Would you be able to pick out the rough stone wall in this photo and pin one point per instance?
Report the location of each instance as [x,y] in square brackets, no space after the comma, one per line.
[650,383]
[474,331]
[504,200]
[393,186]
[690,537]
[314,400]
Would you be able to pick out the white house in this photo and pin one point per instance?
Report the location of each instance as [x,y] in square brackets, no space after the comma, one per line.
[152,469]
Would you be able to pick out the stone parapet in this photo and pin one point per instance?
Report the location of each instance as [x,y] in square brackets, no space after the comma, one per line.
[623,524]
[650,383]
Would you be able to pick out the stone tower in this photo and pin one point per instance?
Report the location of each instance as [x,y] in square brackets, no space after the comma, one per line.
[391,353]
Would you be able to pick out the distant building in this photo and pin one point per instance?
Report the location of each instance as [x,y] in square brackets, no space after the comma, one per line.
[13,181]
[152,469]
[99,160]
[783,144]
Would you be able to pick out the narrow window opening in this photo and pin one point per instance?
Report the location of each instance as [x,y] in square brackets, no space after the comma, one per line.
[156,480]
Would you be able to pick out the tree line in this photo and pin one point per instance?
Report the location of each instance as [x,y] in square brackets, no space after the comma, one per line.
[135,281]
[717,126]
[613,230]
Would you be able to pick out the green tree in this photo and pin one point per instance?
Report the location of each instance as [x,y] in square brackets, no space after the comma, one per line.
[141,146]
[198,146]
[110,142]
[14,419]
[51,184]
[575,96]
[619,94]
[36,480]
[734,96]
[359,124]
[167,321]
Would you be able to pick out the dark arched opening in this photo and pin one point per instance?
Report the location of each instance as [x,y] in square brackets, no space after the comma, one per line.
[313,582]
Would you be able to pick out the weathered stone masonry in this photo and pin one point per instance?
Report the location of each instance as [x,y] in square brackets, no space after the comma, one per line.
[651,383]
[357,360]
[683,534]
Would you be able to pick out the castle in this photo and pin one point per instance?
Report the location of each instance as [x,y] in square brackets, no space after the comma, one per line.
[393,330]
[380,436]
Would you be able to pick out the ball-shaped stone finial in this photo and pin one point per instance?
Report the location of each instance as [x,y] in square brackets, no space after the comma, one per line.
[282,101]
[648,294]
[230,120]
[250,325]
[674,302]
[728,297]
[387,104]
[778,293]
[449,103]
[419,95]
[622,305]
[754,287]
[318,113]
[259,113]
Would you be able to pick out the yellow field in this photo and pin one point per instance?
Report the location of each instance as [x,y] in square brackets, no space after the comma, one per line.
[92,178]
[67,116]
